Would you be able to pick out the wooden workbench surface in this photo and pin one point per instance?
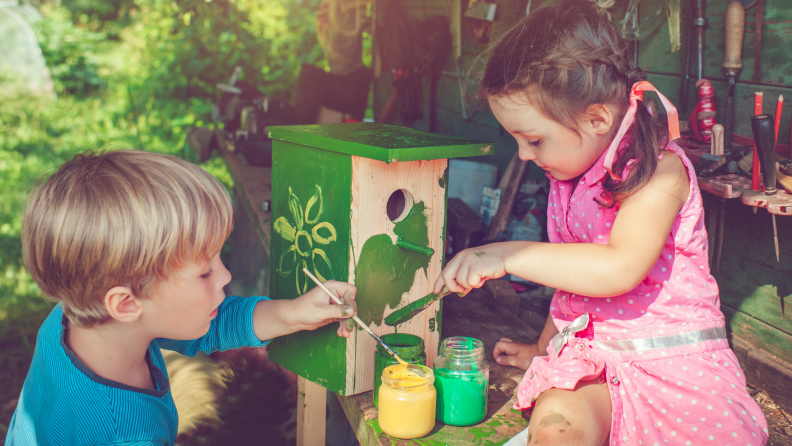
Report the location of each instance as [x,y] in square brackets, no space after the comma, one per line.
[476,316]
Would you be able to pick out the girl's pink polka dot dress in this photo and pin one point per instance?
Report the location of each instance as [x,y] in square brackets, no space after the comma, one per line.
[662,347]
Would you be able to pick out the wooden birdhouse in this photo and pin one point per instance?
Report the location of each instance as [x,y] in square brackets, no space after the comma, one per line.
[362,203]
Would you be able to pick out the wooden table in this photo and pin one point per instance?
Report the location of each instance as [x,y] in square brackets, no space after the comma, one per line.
[477,315]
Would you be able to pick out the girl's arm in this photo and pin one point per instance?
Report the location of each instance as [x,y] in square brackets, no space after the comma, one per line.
[639,233]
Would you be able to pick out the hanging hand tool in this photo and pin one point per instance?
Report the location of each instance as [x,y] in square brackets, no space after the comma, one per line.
[778,112]
[732,63]
[699,23]
[758,42]
[755,178]
[763,128]
[686,65]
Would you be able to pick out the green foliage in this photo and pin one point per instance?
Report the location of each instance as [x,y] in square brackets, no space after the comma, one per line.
[191,45]
[108,16]
[129,74]
[69,52]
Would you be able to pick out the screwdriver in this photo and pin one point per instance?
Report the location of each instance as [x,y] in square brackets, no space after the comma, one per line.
[763,130]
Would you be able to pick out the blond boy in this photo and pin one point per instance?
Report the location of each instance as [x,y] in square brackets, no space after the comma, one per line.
[128,242]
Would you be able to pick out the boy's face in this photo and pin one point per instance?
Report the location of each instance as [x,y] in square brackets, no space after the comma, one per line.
[182,307]
[549,144]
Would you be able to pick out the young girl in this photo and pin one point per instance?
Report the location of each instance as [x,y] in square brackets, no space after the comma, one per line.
[634,351]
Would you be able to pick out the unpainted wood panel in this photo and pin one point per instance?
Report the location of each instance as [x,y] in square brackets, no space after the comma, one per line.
[406,274]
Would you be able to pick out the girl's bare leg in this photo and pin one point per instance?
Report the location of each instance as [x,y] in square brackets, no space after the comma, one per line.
[580,417]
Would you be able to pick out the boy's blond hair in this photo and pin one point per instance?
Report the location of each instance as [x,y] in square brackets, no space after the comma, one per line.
[122,218]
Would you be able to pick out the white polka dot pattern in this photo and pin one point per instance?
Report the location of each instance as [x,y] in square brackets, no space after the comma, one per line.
[656,394]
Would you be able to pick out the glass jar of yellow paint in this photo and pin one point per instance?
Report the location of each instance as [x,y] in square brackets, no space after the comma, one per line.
[410,348]
[407,401]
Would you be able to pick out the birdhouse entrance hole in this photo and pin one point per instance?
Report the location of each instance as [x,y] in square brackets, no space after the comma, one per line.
[399,205]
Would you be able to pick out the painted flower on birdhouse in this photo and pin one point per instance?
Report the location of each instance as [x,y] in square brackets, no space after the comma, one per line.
[307,237]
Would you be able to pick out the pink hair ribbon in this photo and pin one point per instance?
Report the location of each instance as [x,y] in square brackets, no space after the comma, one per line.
[636,93]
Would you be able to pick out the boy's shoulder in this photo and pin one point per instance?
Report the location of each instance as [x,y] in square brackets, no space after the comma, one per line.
[63,402]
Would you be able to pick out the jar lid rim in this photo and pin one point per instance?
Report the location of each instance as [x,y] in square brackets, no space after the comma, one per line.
[427,378]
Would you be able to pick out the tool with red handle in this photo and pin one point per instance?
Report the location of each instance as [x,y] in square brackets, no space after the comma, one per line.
[763,129]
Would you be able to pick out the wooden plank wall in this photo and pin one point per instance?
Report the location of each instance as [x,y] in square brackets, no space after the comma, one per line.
[756,291]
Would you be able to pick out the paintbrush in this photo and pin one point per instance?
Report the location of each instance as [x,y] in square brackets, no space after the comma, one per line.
[357,319]
[409,311]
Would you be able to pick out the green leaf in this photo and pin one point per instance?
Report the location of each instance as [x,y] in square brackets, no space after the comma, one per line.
[316,197]
[297,238]
[296,210]
[316,265]
[301,278]
[324,240]
[285,230]
[285,258]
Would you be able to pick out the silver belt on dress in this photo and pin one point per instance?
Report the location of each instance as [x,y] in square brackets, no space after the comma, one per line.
[639,344]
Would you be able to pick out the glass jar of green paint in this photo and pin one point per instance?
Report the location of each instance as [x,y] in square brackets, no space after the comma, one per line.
[462,380]
[409,347]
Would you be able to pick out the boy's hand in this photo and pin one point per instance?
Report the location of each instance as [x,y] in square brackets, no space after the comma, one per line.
[514,354]
[471,268]
[315,309]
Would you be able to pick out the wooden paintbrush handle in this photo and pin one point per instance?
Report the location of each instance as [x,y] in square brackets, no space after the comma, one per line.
[735,28]
[335,298]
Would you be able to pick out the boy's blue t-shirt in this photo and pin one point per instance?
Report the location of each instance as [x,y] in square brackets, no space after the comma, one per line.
[65,403]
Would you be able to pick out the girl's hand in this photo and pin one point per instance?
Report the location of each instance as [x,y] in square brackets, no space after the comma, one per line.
[471,268]
[315,309]
[514,354]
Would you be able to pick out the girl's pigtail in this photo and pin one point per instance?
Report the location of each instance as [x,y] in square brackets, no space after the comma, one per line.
[648,138]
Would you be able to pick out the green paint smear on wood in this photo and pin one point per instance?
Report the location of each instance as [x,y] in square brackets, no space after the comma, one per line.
[444,179]
[375,427]
[385,272]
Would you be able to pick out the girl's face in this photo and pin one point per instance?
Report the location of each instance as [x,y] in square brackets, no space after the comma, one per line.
[549,144]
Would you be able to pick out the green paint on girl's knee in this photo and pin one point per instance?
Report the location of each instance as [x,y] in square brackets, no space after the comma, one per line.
[385,272]
[553,418]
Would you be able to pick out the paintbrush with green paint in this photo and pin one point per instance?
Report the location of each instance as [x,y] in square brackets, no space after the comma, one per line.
[359,322]
[409,311]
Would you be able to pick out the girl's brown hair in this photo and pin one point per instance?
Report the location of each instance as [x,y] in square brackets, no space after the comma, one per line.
[566,57]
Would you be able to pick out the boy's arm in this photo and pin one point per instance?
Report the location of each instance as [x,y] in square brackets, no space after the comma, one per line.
[232,328]
[244,322]
[310,311]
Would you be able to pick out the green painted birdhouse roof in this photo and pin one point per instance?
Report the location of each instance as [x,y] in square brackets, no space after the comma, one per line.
[381,142]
